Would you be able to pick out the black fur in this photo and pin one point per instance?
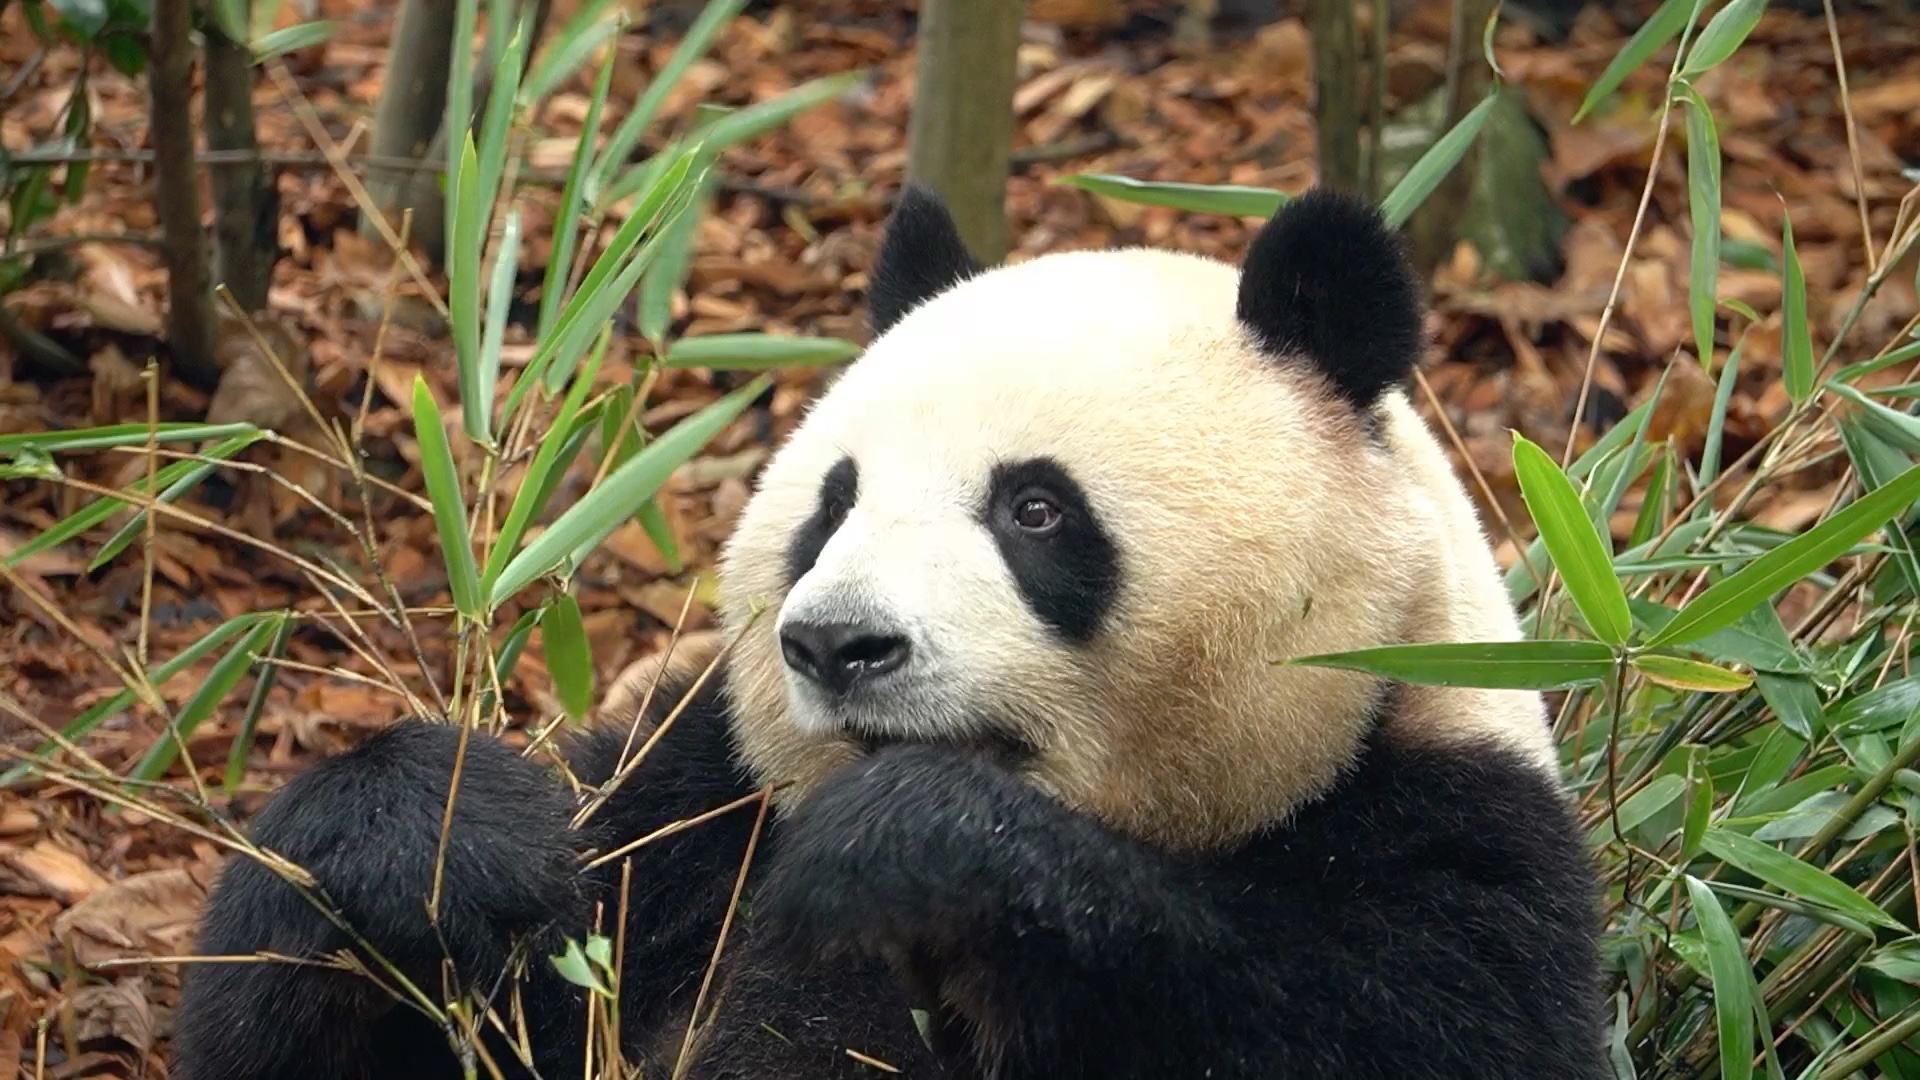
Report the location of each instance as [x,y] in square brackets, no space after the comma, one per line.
[920,257]
[839,489]
[1068,579]
[1326,281]
[1431,918]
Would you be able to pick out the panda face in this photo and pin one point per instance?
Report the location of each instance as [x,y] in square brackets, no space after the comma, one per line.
[1080,509]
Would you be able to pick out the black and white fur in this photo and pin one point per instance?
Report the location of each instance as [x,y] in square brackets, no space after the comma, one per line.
[1022,577]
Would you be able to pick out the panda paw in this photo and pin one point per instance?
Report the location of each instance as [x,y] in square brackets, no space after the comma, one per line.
[367,826]
[894,856]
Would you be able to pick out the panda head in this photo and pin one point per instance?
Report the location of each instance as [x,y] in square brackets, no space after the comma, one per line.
[1084,507]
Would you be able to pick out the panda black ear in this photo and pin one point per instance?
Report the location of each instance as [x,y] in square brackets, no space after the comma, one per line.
[1326,281]
[921,256]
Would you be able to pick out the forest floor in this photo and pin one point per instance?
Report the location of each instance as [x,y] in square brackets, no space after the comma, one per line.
[83,885]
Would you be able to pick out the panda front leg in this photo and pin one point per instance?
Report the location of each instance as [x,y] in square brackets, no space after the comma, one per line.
[1066,949]
[366,826]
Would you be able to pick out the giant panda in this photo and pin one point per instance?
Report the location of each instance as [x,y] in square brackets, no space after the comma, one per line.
[1005,631]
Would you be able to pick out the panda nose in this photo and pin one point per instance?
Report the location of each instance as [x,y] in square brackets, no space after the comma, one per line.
[839,656]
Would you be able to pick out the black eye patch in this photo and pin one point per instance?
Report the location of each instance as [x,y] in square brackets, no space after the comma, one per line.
[1069,576]
[838,491]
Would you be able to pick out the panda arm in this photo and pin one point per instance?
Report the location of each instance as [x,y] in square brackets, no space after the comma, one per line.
[1065,946]
[366,825]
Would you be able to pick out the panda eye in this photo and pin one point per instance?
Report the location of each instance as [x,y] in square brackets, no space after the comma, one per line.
[1036,514]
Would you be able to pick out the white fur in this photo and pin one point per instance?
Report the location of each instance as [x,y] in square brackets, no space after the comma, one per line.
[1255,520]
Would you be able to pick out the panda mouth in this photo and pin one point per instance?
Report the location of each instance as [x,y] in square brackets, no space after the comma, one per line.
[995,743]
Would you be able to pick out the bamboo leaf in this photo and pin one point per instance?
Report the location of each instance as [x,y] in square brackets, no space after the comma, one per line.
[1515,665]
[1435,164]
[1724,602]
[292,39]
[589,29]
[1734,994]
[449,508]
[1232,200]
[1582,556]
[601,509]
[1703,201]
[175,479]
[1793,877]
[79,727]
[117,435]
[463,285]
[499,300]
[226,674]
[242,744]
[563,637]
[1663,27]
[573,202]
[549,462]
[1796,332]
[693,44]
[757,352]
[1723,34]
[1681,673]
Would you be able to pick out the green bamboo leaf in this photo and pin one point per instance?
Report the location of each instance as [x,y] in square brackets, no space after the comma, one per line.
[1793,877]
[757,352]
[1724,602]
[603,508]
[600,951]
[507,656]
[1641,806]
[80,726]
[669,270]
[574,967]
[573,203]
[1884,707]
[1723,34]
[230,19]
[292,39]
[1717,423]
[653,518]
[1232,200]
[1578,550]
[1663,27]
[1782,903]
[1703,201]
[117,435]
[1699,803]
[499,116]
[449,507]
[1898,960]
[226,674]
[1734,993]
[550,461]
[563,637]
[1511,665]
[1797,333]
[1681,673]
[469,235]
[1757,639]
[1435,164]
[1795,702]
[756,120]
[1900,430]
[1653,509]
[171,493]
[612,277]
[459,112]
[242,744]
[693,45]
[499,300]
[589,28]
[175,479]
